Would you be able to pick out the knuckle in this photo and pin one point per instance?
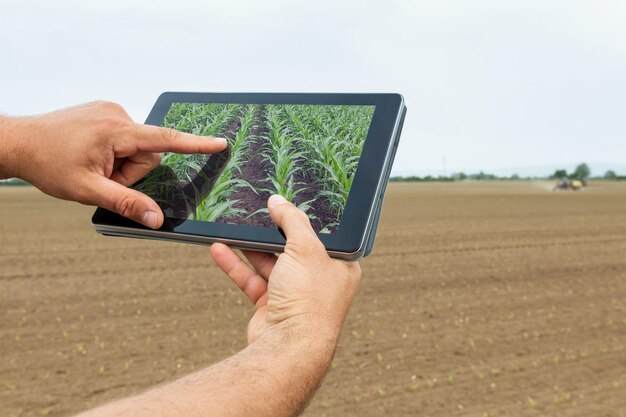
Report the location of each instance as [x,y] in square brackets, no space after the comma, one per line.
[126,205]
[97,103]
[110,123]
[300,247]
[170,134]
[112,118]
[304,243]
[308,248]
[111,106]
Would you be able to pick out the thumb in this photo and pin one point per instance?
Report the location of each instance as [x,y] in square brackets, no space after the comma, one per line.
[296,224]
[129,203]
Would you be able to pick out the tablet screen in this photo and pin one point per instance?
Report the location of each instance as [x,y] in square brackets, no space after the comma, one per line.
[306,153]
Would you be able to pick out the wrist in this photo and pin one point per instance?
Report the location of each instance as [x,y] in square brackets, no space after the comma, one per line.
[14,149]
[310,338]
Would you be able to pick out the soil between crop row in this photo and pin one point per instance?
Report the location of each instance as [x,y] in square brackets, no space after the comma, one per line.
[254,172]
[310,190]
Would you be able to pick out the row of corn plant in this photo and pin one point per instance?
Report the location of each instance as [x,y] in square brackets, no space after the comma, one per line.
[199,118]
[218,203]
[332,138]
[282,155]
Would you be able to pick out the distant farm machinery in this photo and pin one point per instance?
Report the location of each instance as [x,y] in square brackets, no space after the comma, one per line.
[573,185]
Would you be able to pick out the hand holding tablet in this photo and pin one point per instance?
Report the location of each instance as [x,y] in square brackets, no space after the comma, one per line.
[328,154]
[298,287]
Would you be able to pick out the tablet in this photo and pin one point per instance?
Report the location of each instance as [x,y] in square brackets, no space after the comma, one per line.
[329,154]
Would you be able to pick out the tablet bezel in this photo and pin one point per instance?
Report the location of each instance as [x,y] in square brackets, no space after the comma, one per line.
[350,236]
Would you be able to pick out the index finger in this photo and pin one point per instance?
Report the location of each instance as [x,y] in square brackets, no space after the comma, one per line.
[148,138]
[248,280]
[262,262]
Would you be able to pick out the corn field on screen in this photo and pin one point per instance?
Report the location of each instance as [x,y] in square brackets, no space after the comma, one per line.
[306,153]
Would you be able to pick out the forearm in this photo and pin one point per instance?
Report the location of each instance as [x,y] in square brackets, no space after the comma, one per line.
[13,146]
[274,376]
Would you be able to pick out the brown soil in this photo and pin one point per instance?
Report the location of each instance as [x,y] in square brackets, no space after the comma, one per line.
[254,171]
[320,209]
[497,299]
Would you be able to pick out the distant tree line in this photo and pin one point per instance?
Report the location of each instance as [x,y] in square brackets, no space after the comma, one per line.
[460,176]
[582,172]
[611,175]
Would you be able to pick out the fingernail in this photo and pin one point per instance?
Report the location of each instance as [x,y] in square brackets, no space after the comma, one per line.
[276,199]
[221,140]
[149,219]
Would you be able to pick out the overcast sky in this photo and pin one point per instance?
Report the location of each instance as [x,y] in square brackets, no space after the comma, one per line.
[488,84]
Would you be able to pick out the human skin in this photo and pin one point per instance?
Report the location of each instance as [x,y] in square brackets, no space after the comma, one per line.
[90,154]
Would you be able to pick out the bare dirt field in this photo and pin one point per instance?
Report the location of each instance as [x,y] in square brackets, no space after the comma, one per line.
[493,299]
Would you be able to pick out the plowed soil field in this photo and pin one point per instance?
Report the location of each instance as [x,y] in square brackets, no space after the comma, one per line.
[486,299]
